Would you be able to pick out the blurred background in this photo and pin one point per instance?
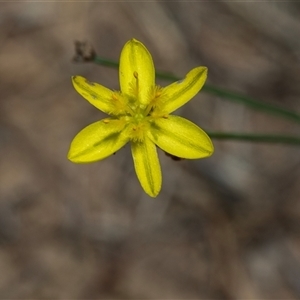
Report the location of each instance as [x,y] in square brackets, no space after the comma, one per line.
[226,227]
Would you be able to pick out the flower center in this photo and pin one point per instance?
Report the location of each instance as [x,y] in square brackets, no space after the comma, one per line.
[137,120]
[137,116]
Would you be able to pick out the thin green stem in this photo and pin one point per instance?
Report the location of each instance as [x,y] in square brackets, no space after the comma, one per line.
[250,137]
[255,104]
[105,62]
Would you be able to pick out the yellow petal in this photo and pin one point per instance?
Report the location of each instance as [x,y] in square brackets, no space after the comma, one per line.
[180,92]
[96,94]
[136,72]
[97,141]
[181,138]
[147,166]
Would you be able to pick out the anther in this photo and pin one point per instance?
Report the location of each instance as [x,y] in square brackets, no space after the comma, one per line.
[135,74]
[115,97]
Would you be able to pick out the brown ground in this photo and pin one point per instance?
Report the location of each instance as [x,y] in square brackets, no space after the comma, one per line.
[227,227]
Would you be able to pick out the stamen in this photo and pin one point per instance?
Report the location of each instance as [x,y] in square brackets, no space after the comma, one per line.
[120,104]
[148,110]
[114,96]
[136,75]
[155,94]
[137,131]
[158,91]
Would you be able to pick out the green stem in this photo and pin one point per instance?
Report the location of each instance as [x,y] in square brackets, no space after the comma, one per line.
[264,138]
[255,104]
[105,62]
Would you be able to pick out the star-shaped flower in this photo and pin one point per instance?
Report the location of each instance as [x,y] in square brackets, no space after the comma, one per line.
[140,114]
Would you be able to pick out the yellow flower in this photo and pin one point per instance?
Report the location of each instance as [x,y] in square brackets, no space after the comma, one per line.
[140,114]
